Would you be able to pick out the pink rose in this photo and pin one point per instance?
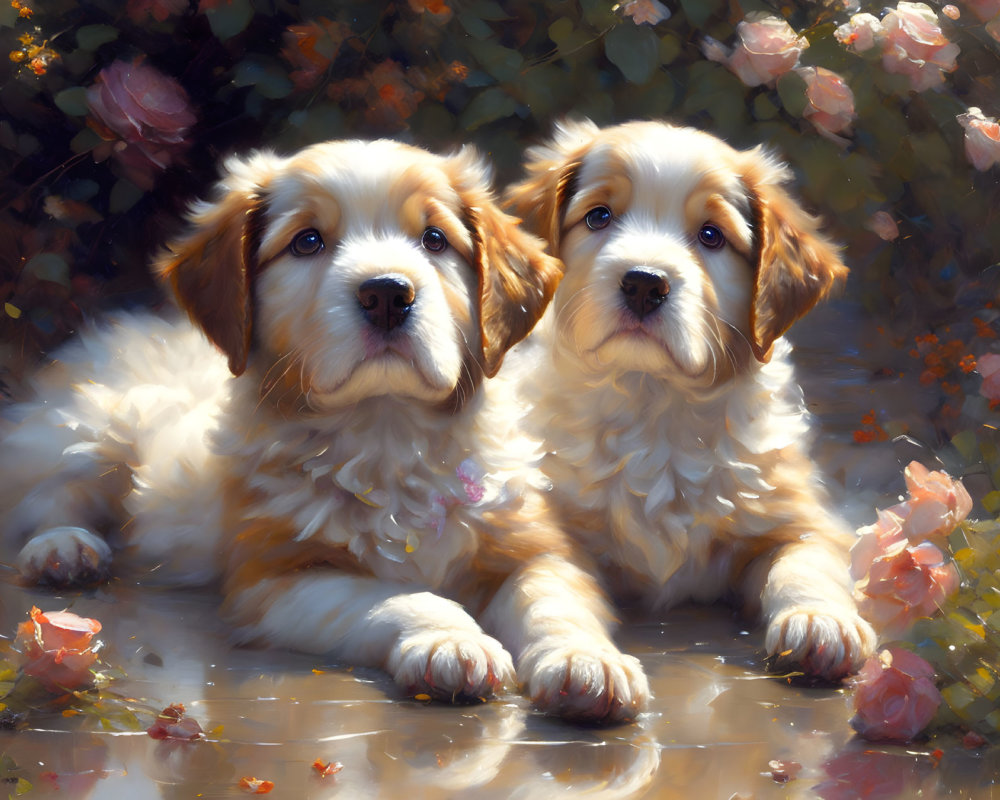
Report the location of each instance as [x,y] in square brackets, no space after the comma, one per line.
[883,225]
[56,648]
[874,540]
[906,583]
[937,502]
[768,47]
[915,46]
[860,33]
[982,139]
[894,696]
[646,12]
[831,102]
[988,366]
[145,112]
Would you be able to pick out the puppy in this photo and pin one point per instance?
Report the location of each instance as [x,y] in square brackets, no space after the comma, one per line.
[675,430]
[321,439]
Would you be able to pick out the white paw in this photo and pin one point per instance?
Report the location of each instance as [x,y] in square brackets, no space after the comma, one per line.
[828,643]
[584,681]
[454,666]
[65,556]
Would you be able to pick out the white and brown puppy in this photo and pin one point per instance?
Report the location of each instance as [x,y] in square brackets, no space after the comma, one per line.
[676,432]
[336,458]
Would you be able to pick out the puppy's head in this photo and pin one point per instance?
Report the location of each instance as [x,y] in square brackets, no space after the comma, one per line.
[684,257]
[357,269]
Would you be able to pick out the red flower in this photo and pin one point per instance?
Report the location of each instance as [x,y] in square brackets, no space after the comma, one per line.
[894,696]
[56,648]
[146,112]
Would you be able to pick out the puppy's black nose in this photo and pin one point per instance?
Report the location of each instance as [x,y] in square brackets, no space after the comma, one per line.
[386,301]
[644,290]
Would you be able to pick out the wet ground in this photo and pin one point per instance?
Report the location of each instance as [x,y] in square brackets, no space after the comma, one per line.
[717,723]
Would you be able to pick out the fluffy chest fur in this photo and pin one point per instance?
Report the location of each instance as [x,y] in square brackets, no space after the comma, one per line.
[399,487]
[666,485]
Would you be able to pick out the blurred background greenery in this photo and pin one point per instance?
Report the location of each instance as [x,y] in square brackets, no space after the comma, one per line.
[116,115]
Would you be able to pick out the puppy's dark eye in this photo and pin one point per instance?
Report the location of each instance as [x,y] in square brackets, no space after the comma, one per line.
[711,237]
[434,240]
[306,243]
[598,218]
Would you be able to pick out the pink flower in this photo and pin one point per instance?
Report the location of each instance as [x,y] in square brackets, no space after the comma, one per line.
[875,540]
[646,12]
[894,696]
[867,774]
[860,33]
[831,102]
[172,724]
[988,365]
[937,502]
[905,583]
[145,112]
[56,648]
[915,46]
[982,139]
[883,225]
[768,47]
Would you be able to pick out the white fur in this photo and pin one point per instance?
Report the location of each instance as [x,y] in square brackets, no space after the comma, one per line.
[676,454]
[346,506]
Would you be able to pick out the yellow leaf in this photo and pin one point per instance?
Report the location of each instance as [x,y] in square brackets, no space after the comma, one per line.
[12,311]
[421,697]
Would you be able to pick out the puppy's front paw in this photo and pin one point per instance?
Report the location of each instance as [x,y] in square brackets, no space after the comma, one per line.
[593,683]
[65,556]
[828,643]
[457,667]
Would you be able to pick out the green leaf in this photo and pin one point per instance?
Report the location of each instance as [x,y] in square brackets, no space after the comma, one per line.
[268,78]
[489,105]
[670,48]
[487,9]
[475,26]
[49,267]
[72,101]
[230,18]
[8,15]
[635,50]
[85,140]
[124,195]
[502,63]
[792,92]
[698,11]
[90,37]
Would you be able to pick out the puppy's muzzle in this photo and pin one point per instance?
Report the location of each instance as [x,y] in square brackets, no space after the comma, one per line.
[386,300]
[644,290]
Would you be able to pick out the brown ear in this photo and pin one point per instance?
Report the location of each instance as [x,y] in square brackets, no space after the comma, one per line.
[211,267]
[516,277]
[540,198]
[516,282]
[797,265]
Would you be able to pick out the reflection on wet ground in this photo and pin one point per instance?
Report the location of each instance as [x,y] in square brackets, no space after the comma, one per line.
[718,721]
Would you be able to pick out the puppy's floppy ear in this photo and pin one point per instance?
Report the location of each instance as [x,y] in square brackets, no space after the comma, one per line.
[540,198]
[796,265]
[516,277]
[210,268]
